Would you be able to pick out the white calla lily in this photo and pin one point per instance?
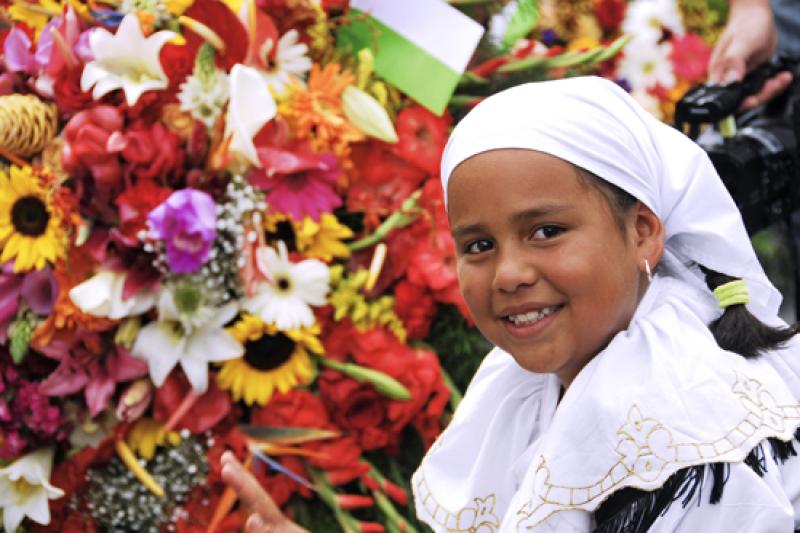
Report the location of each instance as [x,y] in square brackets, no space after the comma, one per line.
[101,295]
[25,489]
[251,106]
[125,60]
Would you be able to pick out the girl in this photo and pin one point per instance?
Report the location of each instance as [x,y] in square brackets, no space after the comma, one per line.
[631,388]
[624,395]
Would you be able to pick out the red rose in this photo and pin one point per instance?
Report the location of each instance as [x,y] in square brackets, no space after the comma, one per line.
[422,136]
[87,146]
[415,307]
[154,151]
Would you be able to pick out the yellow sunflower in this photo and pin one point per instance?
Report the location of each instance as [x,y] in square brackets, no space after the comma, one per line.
[273,360]
[30,225]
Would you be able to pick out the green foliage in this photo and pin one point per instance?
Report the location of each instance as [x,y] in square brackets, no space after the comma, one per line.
[460,347]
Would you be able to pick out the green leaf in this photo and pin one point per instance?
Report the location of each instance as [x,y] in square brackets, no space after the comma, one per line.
[287,435]
[523,21]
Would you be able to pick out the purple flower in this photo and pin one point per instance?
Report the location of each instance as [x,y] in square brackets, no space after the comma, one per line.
[186,222]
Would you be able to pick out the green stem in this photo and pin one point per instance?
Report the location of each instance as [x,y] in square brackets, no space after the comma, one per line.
[455,394]
[385,504]
[407,214]
[328,495]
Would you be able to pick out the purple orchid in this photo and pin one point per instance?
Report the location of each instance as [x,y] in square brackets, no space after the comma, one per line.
[186,222]
[38,289]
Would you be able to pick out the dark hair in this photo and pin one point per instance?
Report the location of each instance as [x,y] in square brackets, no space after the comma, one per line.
[736,330]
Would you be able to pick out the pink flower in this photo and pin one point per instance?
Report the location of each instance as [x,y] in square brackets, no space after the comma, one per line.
[38,289]
[690,55]
[297,181]
[97,374]
[186,222]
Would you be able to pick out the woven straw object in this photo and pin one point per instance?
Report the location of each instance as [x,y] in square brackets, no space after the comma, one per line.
[27,124]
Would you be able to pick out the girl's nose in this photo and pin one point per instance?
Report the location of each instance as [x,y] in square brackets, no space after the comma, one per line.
[513,271]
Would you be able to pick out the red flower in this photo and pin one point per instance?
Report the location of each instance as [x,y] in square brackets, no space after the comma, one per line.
[206,413]
[382,181]
[87,147]
[224,22]
[610,13]
[68,93]
[154,151]
[690,55]
[415,307]
[422,136]
[135,203]
[400,245]
[433,262]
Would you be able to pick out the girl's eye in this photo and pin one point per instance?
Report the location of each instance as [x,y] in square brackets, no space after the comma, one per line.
[547,232]
[478,246]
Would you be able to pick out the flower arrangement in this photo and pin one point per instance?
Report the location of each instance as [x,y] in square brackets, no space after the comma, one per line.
[221,228]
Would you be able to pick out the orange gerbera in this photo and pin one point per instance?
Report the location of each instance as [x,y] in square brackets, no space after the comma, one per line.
[315,113]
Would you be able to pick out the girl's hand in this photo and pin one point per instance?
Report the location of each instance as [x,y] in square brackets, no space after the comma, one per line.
[264,515]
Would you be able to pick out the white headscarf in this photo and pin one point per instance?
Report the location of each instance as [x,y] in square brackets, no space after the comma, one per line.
[662,395]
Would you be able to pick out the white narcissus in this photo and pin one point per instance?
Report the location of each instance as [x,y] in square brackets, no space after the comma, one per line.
[101,295]
[287,301]
[125,60]
[189,335]
[25,489]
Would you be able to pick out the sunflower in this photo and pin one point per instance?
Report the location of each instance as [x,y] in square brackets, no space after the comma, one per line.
[30,223]
[273,360]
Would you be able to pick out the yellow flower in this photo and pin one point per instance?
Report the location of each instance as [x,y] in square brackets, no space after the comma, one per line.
[35,14]
[348,300]
[177,7]
[323,240]
[30,225]
[147,434]
[273,360]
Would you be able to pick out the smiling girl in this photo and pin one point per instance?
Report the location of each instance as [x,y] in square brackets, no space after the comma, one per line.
[625,392]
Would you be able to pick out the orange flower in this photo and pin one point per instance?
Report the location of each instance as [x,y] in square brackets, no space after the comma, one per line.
[66,318]
[315,113]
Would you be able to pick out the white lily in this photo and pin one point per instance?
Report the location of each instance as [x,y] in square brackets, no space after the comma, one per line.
[297,286]
[251,106]
[101,295]
[25,489]
[126,60]
[188,333]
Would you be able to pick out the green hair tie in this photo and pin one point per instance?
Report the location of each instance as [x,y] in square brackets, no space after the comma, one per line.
[732,293]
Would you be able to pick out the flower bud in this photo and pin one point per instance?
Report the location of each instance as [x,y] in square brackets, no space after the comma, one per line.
[135,400]
[367,114]
[353,501]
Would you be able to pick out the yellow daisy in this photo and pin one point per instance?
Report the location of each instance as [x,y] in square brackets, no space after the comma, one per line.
[273,360]
[30,225]
[323,240]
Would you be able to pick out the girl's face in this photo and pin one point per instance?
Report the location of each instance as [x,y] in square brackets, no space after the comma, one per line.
[544,266]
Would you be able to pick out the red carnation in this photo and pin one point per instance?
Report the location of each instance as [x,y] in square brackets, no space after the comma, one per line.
[415,307]
[154,151]
[135,203]
[422,136]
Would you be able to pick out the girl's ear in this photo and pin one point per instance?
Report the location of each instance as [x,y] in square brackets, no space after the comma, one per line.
[648,234]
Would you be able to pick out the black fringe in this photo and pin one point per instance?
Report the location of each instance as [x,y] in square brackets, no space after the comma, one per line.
[631,510]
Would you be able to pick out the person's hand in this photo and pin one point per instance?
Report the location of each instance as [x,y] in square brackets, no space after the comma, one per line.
[749,39]
[263,515]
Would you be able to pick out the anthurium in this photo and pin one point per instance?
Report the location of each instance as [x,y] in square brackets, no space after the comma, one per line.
[126,60]
[25,489]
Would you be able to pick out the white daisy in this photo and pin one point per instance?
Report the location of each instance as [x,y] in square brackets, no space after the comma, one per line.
[25,489]
[644,66]
[290,64]
[186,332]
[205,96]
[296,287]
[644,19]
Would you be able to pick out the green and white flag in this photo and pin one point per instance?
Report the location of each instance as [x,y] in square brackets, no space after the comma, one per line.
[420,46]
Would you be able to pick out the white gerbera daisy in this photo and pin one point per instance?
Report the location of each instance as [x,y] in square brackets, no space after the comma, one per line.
[296,287]
[645,19]
[290,64]
[647,65]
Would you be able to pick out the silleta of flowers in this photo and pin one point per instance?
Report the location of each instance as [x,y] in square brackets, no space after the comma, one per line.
[221,229]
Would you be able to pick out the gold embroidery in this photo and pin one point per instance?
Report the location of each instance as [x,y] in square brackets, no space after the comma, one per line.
[646,450]
[476,518]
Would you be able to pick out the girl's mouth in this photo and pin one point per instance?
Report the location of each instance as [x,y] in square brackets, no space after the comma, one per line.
[526,319]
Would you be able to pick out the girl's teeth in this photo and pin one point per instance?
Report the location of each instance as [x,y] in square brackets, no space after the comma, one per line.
[531,316]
